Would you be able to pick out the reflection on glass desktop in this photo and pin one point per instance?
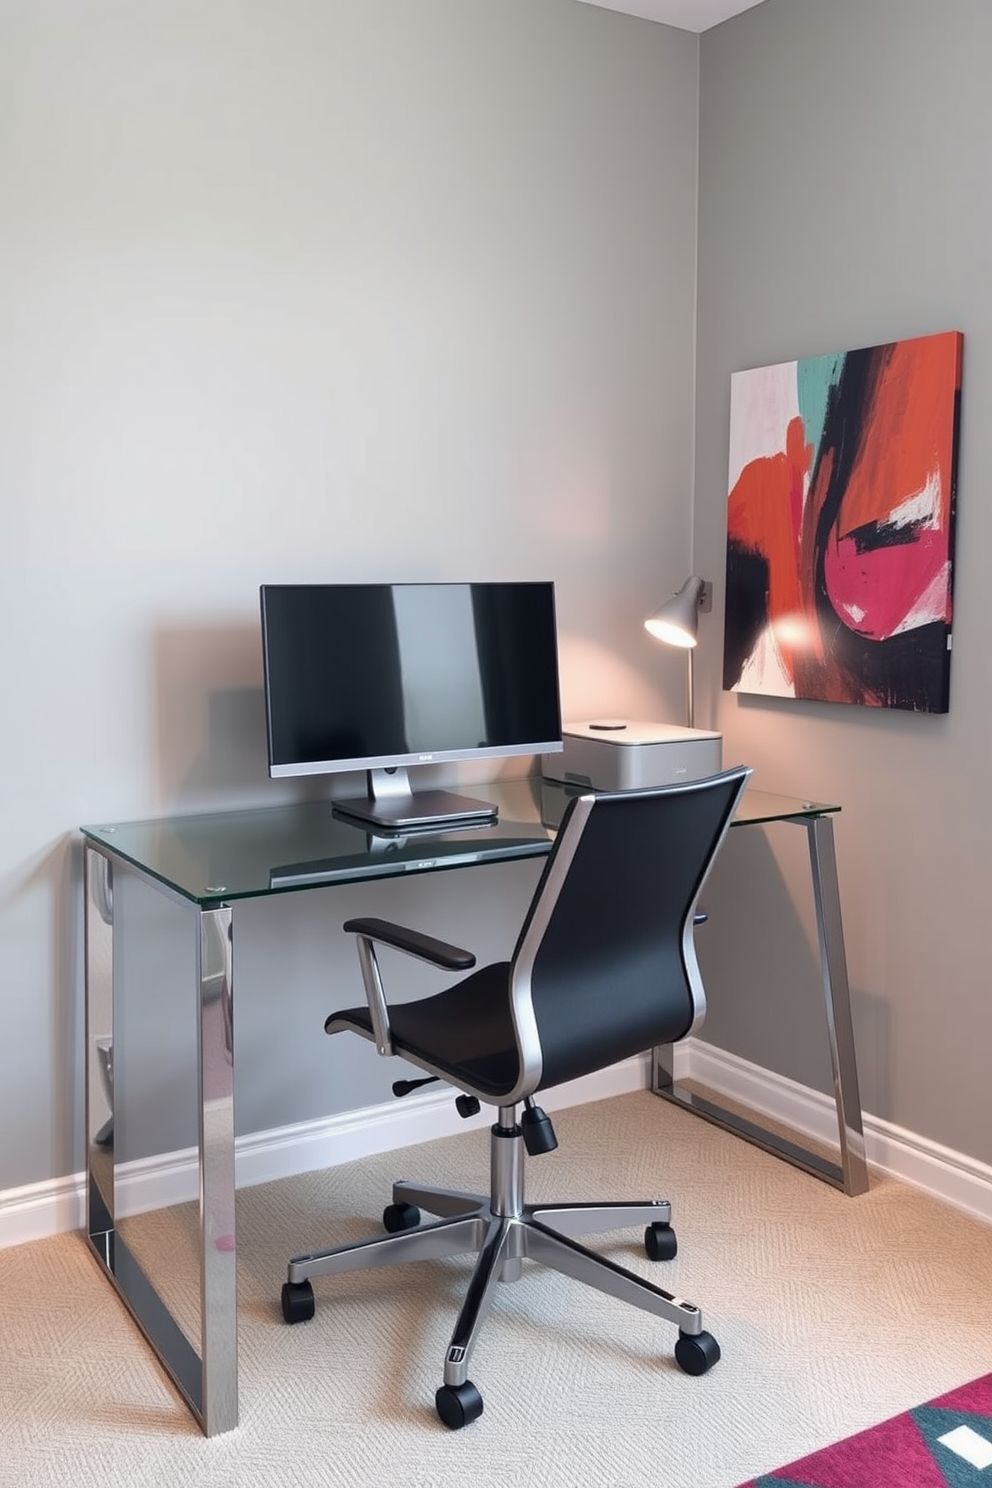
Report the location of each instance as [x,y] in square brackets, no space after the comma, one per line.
[378,855]
[388,677]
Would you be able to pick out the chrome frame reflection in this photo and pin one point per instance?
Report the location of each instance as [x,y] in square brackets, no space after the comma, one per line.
[207,1380]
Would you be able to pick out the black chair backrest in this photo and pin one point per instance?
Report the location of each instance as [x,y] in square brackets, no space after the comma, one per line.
[606,956]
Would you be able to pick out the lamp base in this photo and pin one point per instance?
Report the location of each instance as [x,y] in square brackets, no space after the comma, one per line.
[633,756]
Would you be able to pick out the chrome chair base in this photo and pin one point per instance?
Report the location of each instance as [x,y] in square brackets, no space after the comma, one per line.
[505,1231]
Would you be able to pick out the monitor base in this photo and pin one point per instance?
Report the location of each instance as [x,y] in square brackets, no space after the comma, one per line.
[390,805]
[425,811]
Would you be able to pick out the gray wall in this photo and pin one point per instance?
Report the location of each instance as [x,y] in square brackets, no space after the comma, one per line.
[844,202]
[363,289]
[384,289]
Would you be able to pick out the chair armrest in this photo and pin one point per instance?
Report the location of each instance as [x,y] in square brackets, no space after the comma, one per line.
[425,947]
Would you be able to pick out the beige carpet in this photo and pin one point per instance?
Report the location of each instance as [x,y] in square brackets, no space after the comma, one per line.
[832,1314]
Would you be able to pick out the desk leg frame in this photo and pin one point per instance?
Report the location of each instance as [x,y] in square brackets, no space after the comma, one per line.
[207,1380]
[851,1173]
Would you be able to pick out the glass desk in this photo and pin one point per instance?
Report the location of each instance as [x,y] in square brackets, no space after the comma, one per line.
[205,864]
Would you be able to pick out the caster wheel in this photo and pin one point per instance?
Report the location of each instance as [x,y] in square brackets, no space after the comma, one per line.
[297,1301]
[660,1242]
[396,1217]
[458,1405]
[696,1353]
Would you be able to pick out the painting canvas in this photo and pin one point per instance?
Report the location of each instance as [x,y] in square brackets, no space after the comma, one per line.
[840,526]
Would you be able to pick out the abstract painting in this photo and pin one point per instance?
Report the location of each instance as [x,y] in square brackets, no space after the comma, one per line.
[840,526]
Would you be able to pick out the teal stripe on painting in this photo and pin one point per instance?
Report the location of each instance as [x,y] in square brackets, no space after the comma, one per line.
[815,376]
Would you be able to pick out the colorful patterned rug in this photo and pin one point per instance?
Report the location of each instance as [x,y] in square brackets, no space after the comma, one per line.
[946,1443]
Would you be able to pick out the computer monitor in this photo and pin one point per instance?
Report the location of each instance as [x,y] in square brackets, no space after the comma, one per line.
[383,677]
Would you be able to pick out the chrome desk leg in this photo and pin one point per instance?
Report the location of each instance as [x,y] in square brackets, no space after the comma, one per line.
[837,1001]
[851,1174]
[98,876]
[208,1380]
[217,1221]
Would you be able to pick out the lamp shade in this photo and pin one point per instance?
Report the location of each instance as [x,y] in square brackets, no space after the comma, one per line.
[676,622]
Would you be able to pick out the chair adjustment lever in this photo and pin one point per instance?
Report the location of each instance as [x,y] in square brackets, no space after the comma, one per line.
[467,1104]
[538,1133]
[404,1087]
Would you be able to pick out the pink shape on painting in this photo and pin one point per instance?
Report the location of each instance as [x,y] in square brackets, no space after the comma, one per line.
[878,591]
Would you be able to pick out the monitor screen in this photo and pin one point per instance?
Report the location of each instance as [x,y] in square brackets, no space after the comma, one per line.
[381,677]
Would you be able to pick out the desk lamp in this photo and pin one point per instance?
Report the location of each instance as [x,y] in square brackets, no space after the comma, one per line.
[676,624]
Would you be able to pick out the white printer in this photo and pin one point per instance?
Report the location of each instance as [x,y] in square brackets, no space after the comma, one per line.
[613,754]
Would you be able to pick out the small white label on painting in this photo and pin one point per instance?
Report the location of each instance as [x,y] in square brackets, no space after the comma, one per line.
[969,1445]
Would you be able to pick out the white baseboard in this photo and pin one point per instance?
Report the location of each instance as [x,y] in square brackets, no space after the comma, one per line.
[39,1210]
[950,1176]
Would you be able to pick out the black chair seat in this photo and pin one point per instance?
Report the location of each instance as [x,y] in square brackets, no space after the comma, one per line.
[465,1033]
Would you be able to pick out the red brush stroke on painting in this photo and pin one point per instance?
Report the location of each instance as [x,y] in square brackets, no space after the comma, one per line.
[908,434]
[906,451]
[767,487]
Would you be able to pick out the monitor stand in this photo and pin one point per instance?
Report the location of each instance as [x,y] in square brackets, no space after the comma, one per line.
[391,805]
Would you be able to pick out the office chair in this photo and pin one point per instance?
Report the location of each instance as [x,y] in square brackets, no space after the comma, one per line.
[603,969]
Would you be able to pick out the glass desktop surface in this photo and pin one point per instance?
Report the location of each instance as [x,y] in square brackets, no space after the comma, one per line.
[760,806]
[217,857]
